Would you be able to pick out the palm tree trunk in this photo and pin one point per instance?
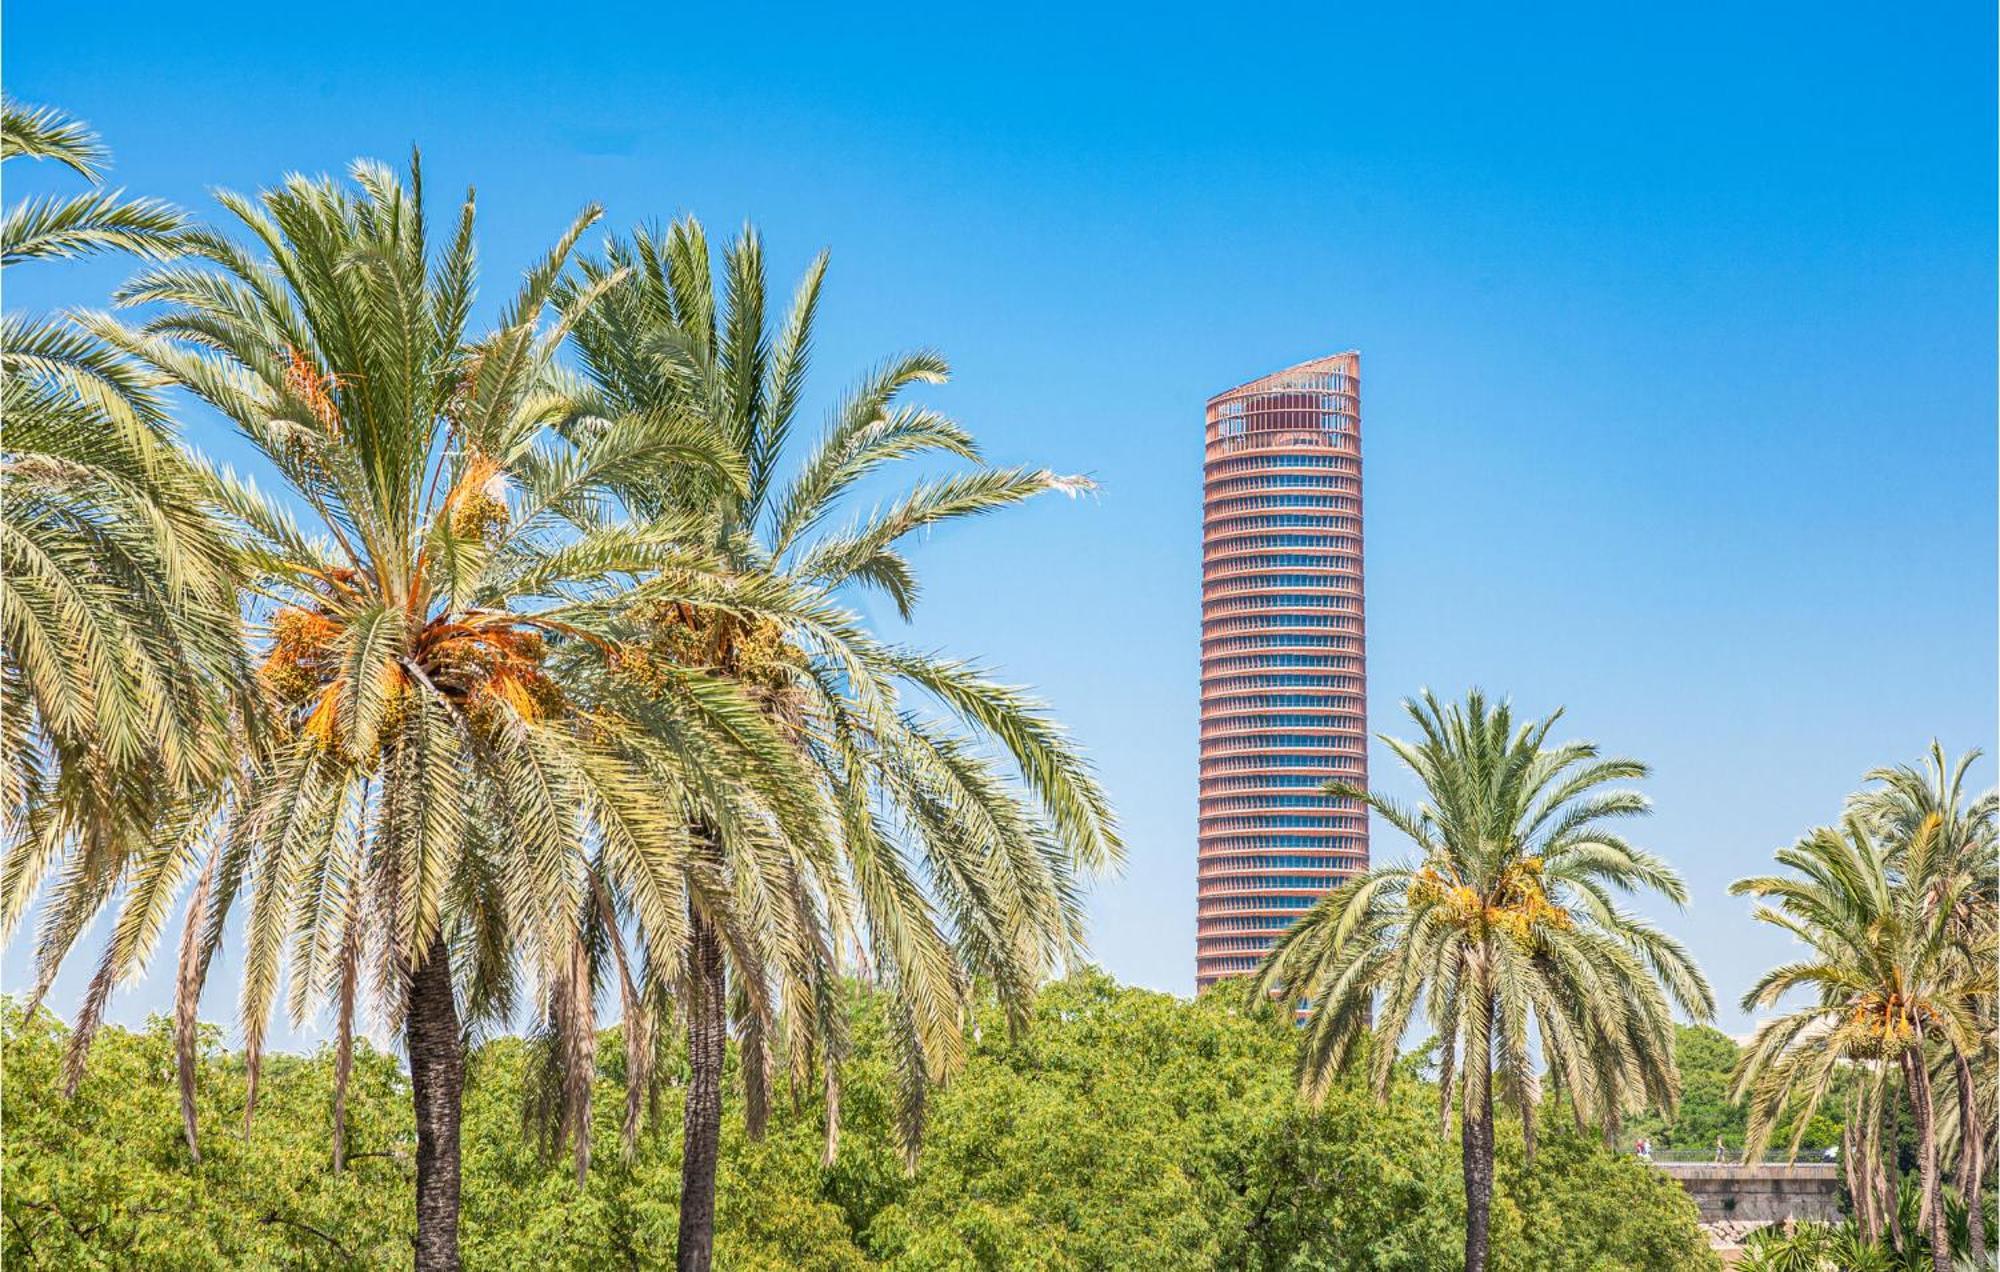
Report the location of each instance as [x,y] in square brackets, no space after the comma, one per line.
[1476,1136]
[1881,1219]
[1890,1201]
[701,1118]
[1851,1167]
[1971,1151]
[1918,1075]
[437,1086]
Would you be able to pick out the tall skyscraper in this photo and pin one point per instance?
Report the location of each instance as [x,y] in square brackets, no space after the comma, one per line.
[1284,681]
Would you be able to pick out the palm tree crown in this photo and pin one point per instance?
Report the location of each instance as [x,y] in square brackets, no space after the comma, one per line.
[120,610]
[940,870]
[1882,970]
[989,885]
[1928,805]
[439,795]
[1895,908]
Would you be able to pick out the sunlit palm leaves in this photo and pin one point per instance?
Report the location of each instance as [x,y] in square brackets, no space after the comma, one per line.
[1513,901]
[547,680]
[1929,808]
[965,819]
[439,761]
[1880,969]
[119,615]
[47,227]
[1895,909]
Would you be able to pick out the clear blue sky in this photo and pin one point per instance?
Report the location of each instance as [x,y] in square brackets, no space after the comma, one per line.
[1677,333]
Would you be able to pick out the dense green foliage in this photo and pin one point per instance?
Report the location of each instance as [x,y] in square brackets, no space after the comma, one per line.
[104,1179]
[1842,1247]
[1123,1128]
[1707,1059]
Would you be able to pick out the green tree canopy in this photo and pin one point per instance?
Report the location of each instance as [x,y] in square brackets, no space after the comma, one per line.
[1707,1110]
[1124,1128]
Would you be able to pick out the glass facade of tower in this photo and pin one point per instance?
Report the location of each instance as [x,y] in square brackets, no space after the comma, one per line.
[1284,681]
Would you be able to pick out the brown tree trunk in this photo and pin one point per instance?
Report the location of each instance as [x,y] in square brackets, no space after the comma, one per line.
[1889,1200]
[1851,1167]
[1918,1075]
[1886,1166]
[437,1085]
[1873,1101]
[1476,1137]
[701,1118]
[1971,1158]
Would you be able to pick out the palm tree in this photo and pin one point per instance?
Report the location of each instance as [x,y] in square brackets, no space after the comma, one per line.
[441,795]
[1815,1247]
[1909,803]
[1931,801]
[941,871]
[119,614]
[1887,978]
[1507,930]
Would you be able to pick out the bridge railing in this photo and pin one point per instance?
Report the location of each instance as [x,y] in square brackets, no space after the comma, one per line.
[1730,1157]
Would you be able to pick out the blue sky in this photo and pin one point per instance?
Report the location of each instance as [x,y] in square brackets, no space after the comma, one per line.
[1677,334]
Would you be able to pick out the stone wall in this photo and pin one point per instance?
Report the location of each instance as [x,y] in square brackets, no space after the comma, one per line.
[1761,1194]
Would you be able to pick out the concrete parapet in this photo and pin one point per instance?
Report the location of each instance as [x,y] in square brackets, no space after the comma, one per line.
[1761,1194]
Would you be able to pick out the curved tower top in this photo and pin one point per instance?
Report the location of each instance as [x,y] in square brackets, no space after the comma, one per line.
[1284,688]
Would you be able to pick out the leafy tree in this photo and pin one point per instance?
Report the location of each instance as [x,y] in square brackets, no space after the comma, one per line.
[942,871]
[119,615]
[1708,1110]
[101,1178]
[1123,1129]
[1582,1208]
[1506,930]
[1705,1113]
